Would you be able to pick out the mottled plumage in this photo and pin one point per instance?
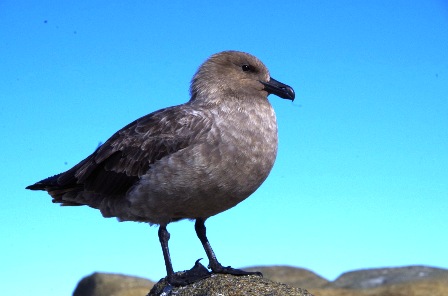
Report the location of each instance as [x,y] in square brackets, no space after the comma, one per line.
[190,161]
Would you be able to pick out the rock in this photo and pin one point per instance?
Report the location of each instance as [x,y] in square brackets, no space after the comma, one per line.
[229,285]
[108,284]
[282,280]
[400,281]
[292,276]
[371,278]
[424,287]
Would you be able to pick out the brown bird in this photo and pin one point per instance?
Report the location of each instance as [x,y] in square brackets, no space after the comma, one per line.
[190,161]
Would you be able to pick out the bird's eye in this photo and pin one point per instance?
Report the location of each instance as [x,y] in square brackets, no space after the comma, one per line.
[246,68]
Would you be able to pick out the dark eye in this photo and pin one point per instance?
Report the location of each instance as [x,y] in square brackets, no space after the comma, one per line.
[246,68]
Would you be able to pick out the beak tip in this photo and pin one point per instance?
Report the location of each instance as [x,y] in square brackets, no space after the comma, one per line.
[291,93]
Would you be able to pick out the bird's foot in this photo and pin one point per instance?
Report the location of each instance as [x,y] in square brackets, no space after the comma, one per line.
[218,268]
[183,278]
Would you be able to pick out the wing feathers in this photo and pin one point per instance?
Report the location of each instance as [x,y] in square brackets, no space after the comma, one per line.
[116,165]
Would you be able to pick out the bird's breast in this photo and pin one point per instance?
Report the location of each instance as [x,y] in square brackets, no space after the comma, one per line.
[219,170]
[247,142]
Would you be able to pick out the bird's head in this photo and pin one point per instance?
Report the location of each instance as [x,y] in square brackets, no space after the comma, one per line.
[234,74]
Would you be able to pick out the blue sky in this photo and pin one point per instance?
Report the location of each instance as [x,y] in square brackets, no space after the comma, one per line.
[361,178]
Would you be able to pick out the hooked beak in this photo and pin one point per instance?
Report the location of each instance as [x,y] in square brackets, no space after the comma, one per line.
[279,89]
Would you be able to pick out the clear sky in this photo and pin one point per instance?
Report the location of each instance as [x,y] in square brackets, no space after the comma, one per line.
[361,178]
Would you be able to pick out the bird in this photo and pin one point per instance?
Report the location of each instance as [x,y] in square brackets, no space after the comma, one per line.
[189,161]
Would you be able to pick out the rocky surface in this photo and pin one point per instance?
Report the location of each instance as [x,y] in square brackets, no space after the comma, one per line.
[399,281]
[229,285]
[372,278]
[293,276]
[282,280]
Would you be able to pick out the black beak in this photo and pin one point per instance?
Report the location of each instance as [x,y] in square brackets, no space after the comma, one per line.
[279,89]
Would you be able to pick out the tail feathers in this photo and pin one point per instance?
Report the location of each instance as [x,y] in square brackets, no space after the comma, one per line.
[67,190]
[45,184]
[65,194]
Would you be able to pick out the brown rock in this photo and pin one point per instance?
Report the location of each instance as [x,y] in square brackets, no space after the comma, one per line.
[425,287]
[292,276]
[372,278]
[401,281]
[107,284]
[229,285]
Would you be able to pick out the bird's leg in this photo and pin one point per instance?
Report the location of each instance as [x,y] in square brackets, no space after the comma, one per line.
[184,278]
[164,237]
[214,265]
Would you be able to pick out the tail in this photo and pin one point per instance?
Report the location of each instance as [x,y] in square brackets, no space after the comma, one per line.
[59,192]
[45,184]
